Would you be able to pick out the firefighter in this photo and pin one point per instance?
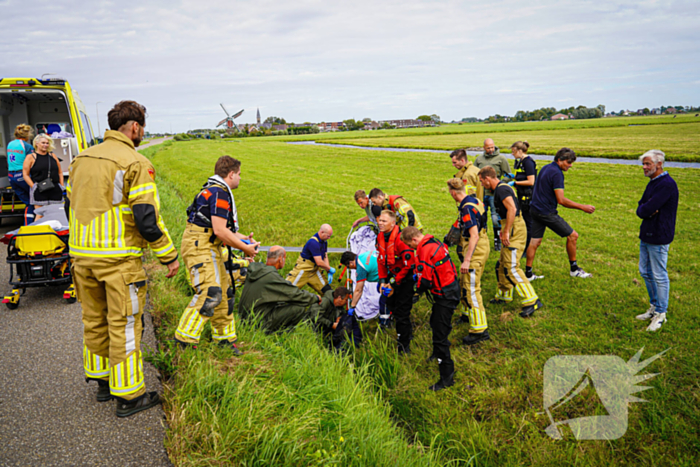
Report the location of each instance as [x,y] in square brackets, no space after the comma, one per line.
[313,258]
[513,236]
[212,221]
[436,275]
[405,214]
[395,262]
[468,173]
[114,214]
[372,211]
[476,249]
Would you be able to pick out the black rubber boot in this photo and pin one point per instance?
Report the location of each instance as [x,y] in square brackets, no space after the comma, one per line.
[127,408]
[447,375]
[404,349]
[103,393]
[185,345]
[530,309]
[475,337]
[231,346]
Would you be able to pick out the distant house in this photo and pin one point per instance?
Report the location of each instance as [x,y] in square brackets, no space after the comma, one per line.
[656,111]
[560,117]
[331,126]
[671,110]
[640,111]
[408,123]
[279,127]
[371,125]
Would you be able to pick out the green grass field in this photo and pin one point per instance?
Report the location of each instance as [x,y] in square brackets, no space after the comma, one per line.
[290,402]
[623,137]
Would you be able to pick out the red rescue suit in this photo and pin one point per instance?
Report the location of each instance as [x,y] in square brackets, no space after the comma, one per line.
[435,270]
[395,258]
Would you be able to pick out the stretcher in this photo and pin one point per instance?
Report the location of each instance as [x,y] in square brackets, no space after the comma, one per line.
[38,257]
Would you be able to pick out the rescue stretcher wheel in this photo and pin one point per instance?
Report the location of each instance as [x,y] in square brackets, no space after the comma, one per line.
[71,300]
[12,306]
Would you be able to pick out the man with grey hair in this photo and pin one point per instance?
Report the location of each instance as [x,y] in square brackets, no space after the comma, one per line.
[313,258]
[492,157]
[657,209]
[271,299]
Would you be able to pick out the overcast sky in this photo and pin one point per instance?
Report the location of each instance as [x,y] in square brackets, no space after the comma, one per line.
[383,59]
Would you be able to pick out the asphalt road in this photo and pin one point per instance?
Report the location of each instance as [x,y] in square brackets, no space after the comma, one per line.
[48,414]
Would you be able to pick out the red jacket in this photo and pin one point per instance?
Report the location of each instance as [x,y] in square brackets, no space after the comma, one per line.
[395,258]
[434,267]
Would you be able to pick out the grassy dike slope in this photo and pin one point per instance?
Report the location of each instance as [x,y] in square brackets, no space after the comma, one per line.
[289,402]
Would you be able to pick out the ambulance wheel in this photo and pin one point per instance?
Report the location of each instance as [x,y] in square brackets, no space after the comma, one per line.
[13,306]
[71,300]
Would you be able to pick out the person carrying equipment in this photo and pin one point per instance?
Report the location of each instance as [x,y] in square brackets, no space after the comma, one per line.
[270,298]
[373,211]
[436,274]
[313,258]
[114,214]
[405,214]
[212,221]
[513,236]
[468,173]
[475,247]
[395,262]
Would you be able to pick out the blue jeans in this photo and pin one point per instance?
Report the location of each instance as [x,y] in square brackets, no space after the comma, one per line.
[489,202]
[652,267]
[21,189]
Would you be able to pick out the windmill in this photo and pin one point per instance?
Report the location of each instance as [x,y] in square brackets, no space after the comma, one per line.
[228,121]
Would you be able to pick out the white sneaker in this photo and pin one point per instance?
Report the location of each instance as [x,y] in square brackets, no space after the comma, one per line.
[580,273]
[647,314]
[534,277]
[657,321]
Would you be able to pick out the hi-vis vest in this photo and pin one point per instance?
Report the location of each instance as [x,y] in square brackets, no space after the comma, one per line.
[105,182]
[399,206]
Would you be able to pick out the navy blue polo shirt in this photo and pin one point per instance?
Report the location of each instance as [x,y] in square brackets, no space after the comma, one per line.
[314,247]
[212,201]
[544,200]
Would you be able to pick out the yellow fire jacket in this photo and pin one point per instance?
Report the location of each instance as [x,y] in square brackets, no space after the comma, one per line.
[470,176]
[114,204]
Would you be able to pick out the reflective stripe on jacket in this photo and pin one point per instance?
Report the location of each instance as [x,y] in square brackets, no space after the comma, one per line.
[114,204]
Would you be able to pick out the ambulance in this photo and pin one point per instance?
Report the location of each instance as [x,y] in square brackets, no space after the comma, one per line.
[49,106]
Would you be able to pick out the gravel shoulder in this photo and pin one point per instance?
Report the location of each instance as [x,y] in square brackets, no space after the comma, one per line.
[48,413]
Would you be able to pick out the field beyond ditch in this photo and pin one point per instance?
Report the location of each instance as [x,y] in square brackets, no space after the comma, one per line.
[618,137]
[288,401]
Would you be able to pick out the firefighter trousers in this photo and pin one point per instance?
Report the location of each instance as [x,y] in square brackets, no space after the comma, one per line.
[470,283]
[306,271]
[213,294]
[510,276]
[112,294]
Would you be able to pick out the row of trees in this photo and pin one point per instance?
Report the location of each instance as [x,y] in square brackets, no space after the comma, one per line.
[545,113]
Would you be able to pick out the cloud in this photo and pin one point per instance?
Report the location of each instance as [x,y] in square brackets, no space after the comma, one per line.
[314,61]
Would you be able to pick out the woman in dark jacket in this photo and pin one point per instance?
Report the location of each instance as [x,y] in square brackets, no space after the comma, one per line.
[42,165]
